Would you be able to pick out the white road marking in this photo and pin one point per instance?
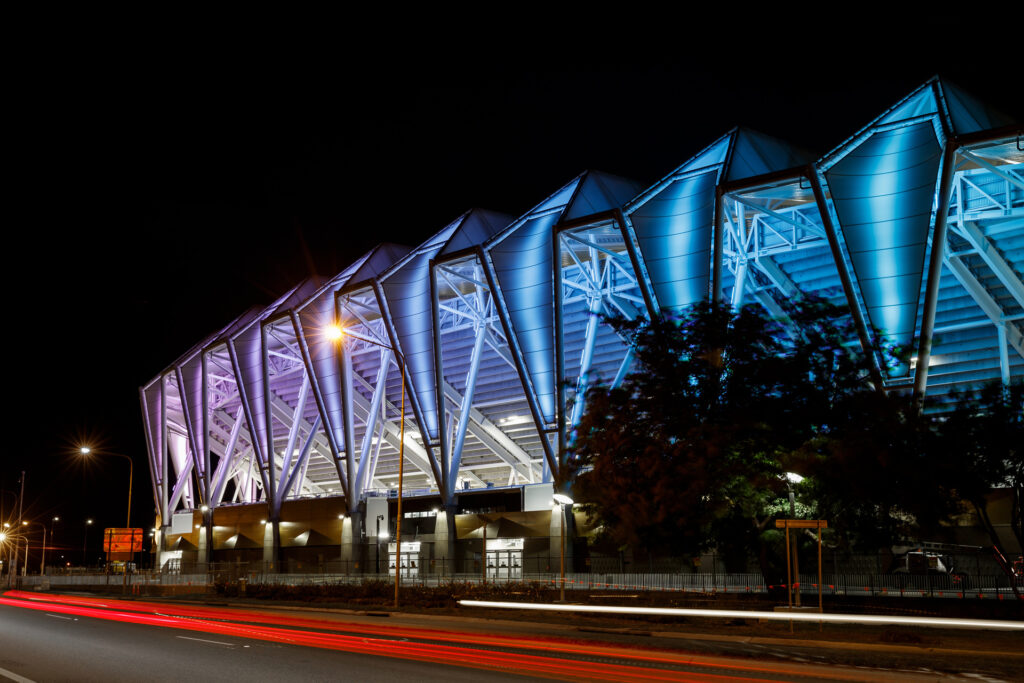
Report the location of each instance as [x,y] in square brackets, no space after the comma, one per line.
[57,616]
[15,677]
[203,640]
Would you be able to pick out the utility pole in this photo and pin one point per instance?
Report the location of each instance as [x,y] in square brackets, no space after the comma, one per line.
[17,526]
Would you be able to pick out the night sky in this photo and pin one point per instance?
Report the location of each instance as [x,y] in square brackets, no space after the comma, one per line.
[163,184]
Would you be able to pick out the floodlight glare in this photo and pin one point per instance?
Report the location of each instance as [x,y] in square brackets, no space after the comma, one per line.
[334,332]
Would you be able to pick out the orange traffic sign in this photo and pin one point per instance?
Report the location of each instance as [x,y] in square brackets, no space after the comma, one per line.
[117,540]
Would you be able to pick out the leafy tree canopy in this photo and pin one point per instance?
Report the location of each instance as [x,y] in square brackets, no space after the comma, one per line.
[691,449]
[703,429]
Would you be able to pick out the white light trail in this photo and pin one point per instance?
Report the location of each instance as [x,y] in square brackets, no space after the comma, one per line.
[871,619]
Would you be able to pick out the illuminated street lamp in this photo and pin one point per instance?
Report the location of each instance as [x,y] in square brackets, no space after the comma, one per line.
[562,501]
[85,538]
[794,478]
[336,333]
[86,451]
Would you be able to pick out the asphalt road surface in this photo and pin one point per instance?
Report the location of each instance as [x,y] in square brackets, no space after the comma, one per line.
[46,637]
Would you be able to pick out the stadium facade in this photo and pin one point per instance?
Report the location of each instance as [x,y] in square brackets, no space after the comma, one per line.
[290,438]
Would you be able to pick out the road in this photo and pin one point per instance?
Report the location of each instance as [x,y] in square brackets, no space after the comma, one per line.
[47,637]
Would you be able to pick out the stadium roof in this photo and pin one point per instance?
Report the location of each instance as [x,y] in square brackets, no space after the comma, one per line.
[916,221]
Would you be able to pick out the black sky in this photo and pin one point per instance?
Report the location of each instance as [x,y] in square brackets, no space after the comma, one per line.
[162,183]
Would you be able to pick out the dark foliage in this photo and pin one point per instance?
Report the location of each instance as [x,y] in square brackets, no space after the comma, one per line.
[690,451]
[697,438]
[982,444]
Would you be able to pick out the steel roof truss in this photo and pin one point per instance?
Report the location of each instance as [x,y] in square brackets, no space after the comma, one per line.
[455,457]
[491,435]
[984,301]
[1004,174]
[993,259]
[181,486]
[371,419]
[587,243]
[298,471]
[220,477]
[414,453]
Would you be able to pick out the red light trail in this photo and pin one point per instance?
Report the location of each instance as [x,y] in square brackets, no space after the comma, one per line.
[548,657]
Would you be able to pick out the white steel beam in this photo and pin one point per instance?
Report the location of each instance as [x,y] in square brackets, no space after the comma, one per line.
[490,435]
[379,390]
[220,475]
[994,260]
[1004,355]
[1008,177]
[299,469]
[984,301]
[455,457]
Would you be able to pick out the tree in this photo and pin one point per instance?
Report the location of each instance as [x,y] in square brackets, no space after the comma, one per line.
[982,444]
[689,452]
[872,473]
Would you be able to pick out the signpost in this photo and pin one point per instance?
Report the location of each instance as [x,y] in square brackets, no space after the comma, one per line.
[120,544]
[788,524]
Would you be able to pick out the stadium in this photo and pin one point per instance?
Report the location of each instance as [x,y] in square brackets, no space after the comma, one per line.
[451,369]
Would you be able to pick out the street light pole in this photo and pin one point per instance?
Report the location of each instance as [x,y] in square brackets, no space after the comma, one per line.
[85,538]
[336,332]
[793,478]
[86,451]
[377,542]
[42,563]
[52,540]
[562,501]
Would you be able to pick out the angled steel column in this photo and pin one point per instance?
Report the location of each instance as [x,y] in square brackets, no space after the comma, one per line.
[844,277]
[181,484]
[740,280]
[271,456]
[273,552]
[586,360]
[379,388]
[228,459]
[244,400]
[1004,354]
[467,405]
[351,473]
[527,384]
[150,449]
[165,455]
[298,471]
[627,237]
[442,428]
[559,313]
[624,368]
[739,284]
[717,251]
[931,294]
[287,466]
[205,445]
